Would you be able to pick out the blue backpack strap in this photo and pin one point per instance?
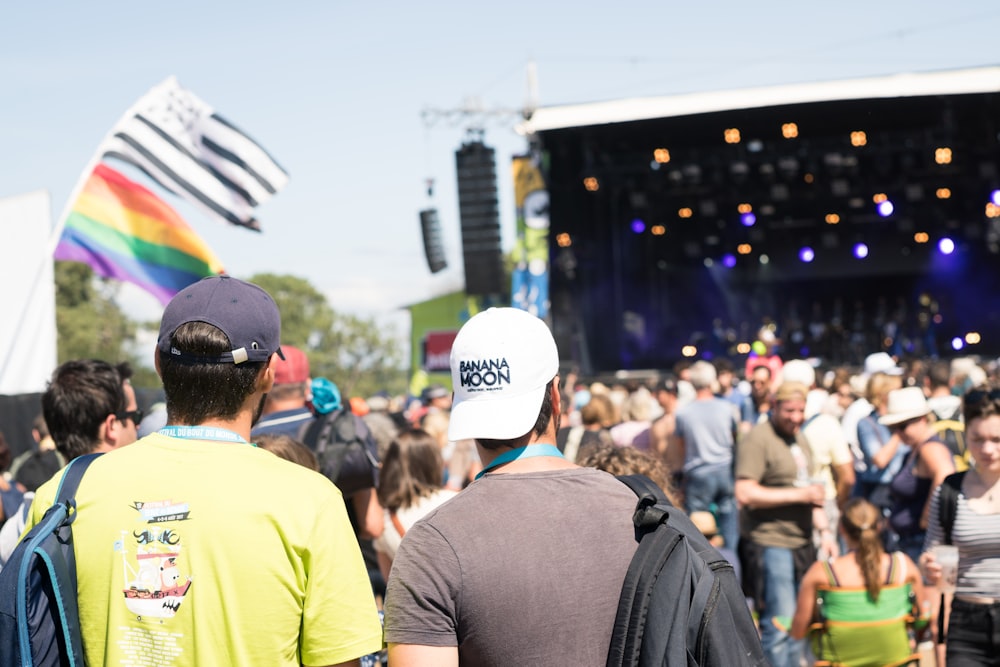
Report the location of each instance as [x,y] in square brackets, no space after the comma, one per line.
[71,477]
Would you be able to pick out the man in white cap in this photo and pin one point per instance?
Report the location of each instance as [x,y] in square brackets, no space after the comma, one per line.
[525,566]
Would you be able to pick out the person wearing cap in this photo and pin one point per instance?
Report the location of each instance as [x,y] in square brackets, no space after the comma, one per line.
[524,566]
[925,467]
[706,433]
[832,458]
[780,505]
[201,549]
[286,405]
[88,406]
[878,363]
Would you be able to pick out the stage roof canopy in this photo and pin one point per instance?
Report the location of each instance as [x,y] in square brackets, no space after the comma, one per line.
[947,82]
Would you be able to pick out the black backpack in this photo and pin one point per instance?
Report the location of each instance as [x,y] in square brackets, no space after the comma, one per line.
[345,449]
[39,617]
[681,604]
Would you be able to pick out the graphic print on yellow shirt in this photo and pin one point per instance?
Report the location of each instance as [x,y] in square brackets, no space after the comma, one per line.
[152,561]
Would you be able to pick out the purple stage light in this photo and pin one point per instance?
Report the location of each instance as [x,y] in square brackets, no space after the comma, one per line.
[748,219]
[638,226]
[729,260]
[807,255]
[860,250]
[995,197]
[946,246]
[885,208]
[957,343]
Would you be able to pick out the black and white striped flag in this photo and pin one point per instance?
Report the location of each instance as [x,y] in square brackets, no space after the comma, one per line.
[180,142]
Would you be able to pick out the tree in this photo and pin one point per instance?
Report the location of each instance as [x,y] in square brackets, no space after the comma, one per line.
[357,354]
[89,322]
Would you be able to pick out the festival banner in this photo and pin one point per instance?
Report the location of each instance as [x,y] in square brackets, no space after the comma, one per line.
[530,281]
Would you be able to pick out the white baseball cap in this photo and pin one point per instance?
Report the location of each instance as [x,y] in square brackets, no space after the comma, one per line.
[501,361]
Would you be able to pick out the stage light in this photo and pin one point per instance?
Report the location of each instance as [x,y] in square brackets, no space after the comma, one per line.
[689,350]
[995,197]
[744,208]
[957,343]
[806,254]
[879,197]
[661,155]
[942,155]
[729,260]
[921,237]
[685,213]
[591,184]
[860,250]
[808,178]
[764,259]
[943,193]
[638,226]
[743,348]
[992,210]
[832,218]
[859,138]
[885,208]
[972,338]
[789,130]
[658,230]
[732,135]
[748,219]
[946,246]
[744,248]
[564,240]
[708,263]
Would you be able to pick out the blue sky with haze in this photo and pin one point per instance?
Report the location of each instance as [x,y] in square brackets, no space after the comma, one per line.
[335,90]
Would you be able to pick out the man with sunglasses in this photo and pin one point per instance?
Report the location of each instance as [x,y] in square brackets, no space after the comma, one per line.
[89,406]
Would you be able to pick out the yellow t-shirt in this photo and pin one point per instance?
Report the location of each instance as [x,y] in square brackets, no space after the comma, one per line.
[195,552]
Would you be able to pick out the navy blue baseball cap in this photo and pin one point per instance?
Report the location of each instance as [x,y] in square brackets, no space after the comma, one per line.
[241,310]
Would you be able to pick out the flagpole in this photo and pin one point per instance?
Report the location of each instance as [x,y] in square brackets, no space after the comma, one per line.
[61,220]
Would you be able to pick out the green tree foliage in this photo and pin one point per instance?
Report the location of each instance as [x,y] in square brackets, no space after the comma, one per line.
[89,322]
[358,354]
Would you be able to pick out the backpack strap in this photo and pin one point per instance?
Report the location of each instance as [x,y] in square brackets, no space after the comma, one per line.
[71,477]
[951,487]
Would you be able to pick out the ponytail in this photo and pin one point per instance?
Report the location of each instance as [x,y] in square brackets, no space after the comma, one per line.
[860,521]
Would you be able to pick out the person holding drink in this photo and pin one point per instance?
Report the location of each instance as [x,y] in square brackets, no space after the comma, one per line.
[973,635]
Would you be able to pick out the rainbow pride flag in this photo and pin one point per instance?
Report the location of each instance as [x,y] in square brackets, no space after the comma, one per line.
[124,231]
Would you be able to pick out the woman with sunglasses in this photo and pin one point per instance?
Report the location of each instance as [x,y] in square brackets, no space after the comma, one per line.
[925,467]
[975,610]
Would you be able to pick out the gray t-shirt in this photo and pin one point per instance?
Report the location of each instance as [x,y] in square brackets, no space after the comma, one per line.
[708,429]
[518,569]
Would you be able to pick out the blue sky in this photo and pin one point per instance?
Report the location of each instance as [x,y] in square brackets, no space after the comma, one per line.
[335,90]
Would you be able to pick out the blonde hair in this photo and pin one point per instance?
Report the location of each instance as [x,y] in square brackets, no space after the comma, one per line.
[879,386]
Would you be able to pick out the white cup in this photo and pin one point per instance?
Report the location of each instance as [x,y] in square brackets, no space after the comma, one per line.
[946,556]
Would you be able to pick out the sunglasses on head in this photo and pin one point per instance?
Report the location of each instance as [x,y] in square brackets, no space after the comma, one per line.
[135,416]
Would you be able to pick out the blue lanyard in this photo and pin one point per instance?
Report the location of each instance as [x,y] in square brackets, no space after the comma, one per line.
[527,452]
[204,433]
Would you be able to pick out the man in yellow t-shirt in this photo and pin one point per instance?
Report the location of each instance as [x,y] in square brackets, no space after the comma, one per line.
[193,547]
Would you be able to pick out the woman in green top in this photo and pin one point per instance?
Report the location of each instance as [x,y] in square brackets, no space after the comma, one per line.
[863,598]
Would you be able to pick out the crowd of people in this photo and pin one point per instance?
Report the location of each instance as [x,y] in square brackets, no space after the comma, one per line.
[478,524]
